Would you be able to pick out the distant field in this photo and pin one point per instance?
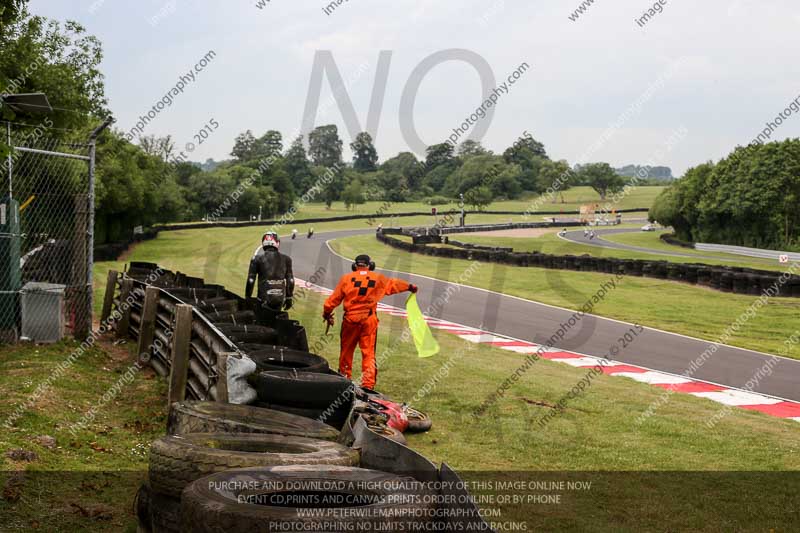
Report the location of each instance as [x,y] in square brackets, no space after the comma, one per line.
[573,199]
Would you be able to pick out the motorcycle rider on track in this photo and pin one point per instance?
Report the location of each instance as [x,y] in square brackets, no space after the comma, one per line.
[273,272]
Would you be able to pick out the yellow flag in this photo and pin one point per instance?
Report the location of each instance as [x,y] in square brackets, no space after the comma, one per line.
[423,338]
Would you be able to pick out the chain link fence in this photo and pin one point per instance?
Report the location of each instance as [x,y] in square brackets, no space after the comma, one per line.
[46,236]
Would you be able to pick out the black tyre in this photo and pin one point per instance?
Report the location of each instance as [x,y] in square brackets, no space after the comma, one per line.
[165,514]
[373,501]
[280,358]
[216,417]
[418,422]
[302,389]
[334,416]
[241,333]
[177,460]
[141,507]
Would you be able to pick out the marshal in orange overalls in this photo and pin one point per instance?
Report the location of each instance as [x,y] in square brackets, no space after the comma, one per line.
[361,291]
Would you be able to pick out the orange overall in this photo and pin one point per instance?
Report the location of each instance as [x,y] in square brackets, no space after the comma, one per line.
[361,291]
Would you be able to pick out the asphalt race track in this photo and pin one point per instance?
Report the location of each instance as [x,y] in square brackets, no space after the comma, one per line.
[535,322]
[577,236]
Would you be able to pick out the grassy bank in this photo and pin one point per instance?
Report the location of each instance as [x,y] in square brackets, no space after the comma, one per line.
[83,480]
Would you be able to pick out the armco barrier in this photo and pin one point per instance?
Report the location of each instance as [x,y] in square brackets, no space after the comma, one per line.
[737,280]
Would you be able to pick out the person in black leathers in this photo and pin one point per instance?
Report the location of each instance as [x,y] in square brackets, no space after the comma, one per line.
[273,272]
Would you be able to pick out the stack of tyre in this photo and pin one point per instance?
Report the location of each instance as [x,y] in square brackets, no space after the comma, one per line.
[299,383]
[224,467]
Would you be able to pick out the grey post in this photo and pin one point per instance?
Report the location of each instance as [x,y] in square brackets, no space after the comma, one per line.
[90,224]
[10,162]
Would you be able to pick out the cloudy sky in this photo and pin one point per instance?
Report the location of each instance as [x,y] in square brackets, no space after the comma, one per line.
[716,70]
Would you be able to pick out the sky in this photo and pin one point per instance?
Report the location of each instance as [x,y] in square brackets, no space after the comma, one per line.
[685,87]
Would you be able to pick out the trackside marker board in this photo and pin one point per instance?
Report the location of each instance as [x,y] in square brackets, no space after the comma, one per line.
[423,338]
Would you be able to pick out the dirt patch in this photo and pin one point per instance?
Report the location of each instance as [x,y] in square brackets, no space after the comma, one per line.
[519,232]
[123,257]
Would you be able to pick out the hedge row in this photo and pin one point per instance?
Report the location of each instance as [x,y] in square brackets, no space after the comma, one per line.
[111,251]
[726,279]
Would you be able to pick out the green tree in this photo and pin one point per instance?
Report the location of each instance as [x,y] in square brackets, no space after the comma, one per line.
[365,156]
[244,146]
[330,182]
[471,148]
[438,154]
[209,190]
[325,146]
[602,178]
[555,176]
[269,145]
[403,172]
[489,171]
[478,197]
[298,167]
[161,147]
[353,194]
[10,12]
[60,60]
[184,171]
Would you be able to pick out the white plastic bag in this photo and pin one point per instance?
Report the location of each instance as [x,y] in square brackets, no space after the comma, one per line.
[239,390]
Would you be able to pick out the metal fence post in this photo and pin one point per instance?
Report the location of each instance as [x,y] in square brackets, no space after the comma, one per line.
[90,223]
[10,162]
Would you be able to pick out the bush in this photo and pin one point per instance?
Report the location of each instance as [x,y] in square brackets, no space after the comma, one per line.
[438,200]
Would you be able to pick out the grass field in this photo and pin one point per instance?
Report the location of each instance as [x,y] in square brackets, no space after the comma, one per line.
[596,431]
[87,481]
[678,307]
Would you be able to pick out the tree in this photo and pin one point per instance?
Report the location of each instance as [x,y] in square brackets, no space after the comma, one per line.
[325,147]
[530,155]
[10,12]
[478,197]
[282,185]
[329,183]
[405,170]
[489,171]
[471,148]
[526,146]
[161,147]
[243,146]
[268,145]
[365,157]
[749,198]
[184,171]
[353,194]
[298,167]
[40,55]
[602,178]
[555,177]
[436,178]
[438,154]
